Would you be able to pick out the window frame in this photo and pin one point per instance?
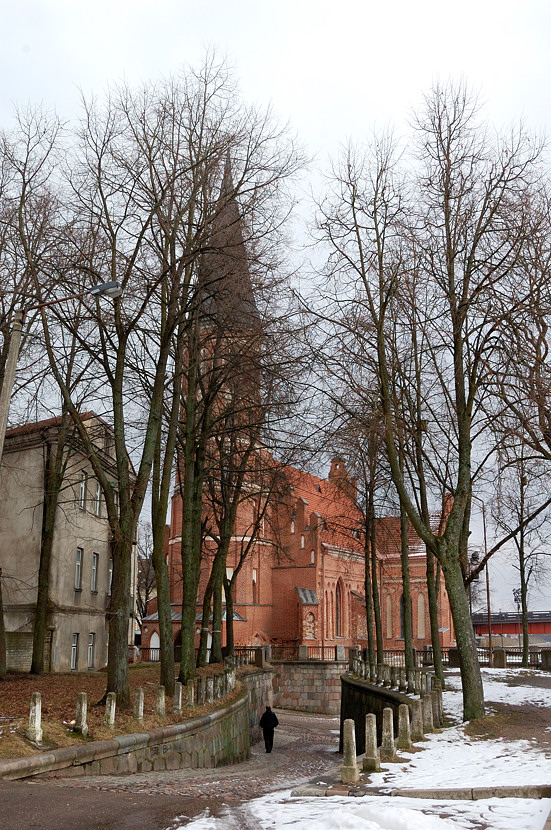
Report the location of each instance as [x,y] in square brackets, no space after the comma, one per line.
[97,500]
[94,574]
[91,654]
[74,651]
[79,564]
[83,490]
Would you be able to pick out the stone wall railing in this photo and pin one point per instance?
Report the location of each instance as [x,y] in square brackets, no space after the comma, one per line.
[370,689]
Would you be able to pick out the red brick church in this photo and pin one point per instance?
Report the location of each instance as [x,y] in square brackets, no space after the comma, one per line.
[302,580]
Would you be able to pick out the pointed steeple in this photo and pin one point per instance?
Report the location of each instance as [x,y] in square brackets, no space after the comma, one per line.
[225,275]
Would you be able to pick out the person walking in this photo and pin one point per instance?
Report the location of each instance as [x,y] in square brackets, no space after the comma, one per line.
[268,723]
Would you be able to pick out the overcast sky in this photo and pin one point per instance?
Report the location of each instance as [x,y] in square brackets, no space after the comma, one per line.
[334,70]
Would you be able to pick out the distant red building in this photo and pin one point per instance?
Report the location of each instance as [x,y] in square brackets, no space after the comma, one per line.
[509,623]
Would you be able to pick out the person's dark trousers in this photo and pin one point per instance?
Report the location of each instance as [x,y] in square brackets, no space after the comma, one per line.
[268,739]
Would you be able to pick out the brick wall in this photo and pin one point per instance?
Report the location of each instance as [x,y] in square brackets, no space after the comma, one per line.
[20,648]
[309,686]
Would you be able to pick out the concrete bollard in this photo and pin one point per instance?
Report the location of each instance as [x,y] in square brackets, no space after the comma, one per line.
[417,730]
[429,682]
[177,699]
[210,689]
[379,674]
[388,749]
[386,676]
[34,732]
[437,687]
[417,682]
[373,672]
[190,694]
[230,681]
[500,658]
[138,704]
[410,675]
[423,684]
[436,719]
[394,677]
[200,691]
[110,709]
[371,758]
[404,732]
[546,659]
[402,680]
[160,703]
[81,720]
[428,723]
[349,770]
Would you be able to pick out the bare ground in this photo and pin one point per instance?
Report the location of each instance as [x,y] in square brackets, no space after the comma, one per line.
[59,698]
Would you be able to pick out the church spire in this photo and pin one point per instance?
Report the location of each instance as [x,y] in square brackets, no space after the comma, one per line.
[225,275]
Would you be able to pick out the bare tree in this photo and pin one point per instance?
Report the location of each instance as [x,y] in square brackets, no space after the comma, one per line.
[467,201]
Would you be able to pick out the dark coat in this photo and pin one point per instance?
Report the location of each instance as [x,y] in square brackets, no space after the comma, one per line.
[268,721]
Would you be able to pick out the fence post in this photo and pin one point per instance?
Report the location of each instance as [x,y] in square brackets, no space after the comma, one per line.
[349,770]
[177,699]
[388,750]
[417,729]
[160,705]
[110,709]
[371,757]
[138,704]
[404,732]
[34,732]
[81,725]
[428,722]
[303,653]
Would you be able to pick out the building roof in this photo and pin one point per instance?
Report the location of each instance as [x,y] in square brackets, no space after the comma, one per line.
[307,596]
[47,423]
[333,501]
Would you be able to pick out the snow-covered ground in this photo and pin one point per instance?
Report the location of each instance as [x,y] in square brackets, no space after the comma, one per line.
[448,759]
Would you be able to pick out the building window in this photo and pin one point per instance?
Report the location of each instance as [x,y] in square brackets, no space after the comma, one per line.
[313,557]
[389,617]
[78,569]
[292,525]
[74,652]
[339,608]
[82,489]
[94,581]
[255,597]
[110,576]
[97,500]
[421,630]
[302,541]
[91,649]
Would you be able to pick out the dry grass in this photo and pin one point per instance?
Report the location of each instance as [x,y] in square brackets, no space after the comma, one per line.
[59,698]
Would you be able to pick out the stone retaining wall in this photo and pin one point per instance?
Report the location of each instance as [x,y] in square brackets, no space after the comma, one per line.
[360,698]
[216,739]
[309,686]
[259,684]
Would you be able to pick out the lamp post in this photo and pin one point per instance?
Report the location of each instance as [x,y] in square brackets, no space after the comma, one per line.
[107,289]
[490,654]
[517,596]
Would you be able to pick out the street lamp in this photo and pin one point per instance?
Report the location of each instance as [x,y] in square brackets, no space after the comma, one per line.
[490,655]
[109,289]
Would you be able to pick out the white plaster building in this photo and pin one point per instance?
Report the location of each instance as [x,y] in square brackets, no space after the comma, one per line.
[81,564]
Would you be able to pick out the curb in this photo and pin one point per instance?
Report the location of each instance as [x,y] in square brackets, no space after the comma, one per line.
[334,786]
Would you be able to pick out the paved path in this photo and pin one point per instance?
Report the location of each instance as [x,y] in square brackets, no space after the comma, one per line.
[305,746]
